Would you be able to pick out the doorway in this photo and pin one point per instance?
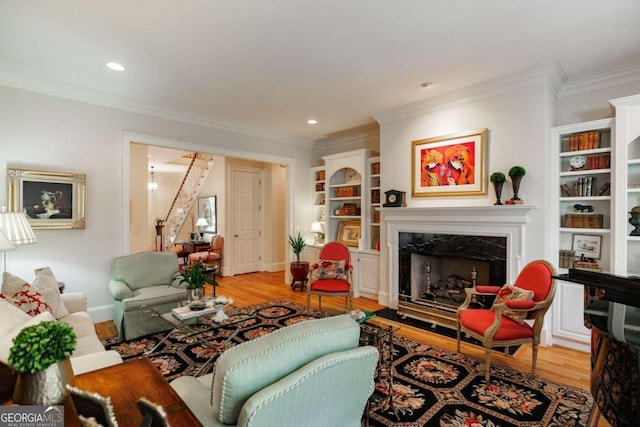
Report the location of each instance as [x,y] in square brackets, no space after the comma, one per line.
[246,187]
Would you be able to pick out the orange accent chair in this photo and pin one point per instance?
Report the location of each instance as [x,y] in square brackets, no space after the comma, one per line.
[212,256]
[496,326]
[332,274]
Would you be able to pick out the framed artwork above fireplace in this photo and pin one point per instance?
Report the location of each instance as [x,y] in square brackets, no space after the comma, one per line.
[450,165]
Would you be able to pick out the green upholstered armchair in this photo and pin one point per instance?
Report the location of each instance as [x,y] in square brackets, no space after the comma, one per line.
[144,278]
[308,374]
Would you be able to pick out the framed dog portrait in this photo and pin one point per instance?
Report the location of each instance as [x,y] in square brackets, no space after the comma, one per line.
[349,233]
[450,165]
[49,199]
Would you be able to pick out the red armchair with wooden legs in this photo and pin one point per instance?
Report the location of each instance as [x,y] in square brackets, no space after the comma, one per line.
[332,274]
[505,324]
[212,256]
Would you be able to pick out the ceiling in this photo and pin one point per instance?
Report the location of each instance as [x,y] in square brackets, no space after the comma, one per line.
[271,65]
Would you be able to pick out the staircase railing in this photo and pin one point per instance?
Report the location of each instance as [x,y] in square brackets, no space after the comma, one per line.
[187,195]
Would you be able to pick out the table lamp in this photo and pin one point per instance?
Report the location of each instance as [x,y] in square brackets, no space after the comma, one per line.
[318,236]
[202,222]
[5,245]
[15,227]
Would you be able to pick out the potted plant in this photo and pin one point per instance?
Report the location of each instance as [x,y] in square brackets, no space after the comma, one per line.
[498,179]
[516,173]
[40,354]
[299,269]
[194,279]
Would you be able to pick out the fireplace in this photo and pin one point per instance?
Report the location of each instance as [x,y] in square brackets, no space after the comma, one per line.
[459,246]
[435,270]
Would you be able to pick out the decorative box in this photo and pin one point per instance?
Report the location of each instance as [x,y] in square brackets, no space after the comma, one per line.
[583,220]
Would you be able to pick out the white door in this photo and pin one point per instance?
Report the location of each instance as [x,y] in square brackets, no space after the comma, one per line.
[246,187]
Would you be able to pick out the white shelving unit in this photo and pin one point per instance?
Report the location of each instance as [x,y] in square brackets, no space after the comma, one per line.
[594,141]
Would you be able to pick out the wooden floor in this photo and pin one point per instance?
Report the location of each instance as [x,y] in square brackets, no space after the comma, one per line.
[559,364]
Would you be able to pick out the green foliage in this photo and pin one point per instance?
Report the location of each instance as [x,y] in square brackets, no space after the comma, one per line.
[497,177]
[193,277]
[517,171]
[39,346]
[297,244]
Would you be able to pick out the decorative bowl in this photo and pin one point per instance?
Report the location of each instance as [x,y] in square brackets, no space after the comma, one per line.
[198,305]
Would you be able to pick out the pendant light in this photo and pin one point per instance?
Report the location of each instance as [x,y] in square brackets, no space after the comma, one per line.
[152,185]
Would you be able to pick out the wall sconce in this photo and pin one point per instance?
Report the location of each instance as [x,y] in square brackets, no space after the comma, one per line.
[318,236]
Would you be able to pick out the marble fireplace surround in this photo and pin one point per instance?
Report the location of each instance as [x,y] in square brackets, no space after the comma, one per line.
[504,221]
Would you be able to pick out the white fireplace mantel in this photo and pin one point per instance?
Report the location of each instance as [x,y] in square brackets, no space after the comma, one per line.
[504,221]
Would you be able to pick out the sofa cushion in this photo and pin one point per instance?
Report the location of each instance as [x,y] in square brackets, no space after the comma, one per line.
[153,296]
[81,323]
[11,284]
[328,269]
[513,293]
[145,269]
[249,367]
[47,284]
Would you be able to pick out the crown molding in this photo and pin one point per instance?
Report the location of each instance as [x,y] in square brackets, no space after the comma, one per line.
[549,75]
[103,100]
[351,135]
[619,76]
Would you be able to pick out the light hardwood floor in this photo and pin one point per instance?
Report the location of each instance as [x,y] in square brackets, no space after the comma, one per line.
[556,363]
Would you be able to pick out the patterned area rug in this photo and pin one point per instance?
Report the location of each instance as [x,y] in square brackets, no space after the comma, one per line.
[432,387]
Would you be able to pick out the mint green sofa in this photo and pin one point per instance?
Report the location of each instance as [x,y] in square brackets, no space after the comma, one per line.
[309,374]
[144,278]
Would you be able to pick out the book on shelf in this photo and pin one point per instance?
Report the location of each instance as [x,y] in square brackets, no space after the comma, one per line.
[602,190]
[568,191]
[588,140]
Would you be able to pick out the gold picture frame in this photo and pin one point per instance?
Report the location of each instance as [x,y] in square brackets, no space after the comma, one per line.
[450,165]
[51,200]
[349,233]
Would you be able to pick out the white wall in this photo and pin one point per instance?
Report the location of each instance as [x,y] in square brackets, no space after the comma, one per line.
[47,133]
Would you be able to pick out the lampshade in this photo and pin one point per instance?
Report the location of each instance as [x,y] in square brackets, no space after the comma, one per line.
[16,228]
[316,227]
[202,222]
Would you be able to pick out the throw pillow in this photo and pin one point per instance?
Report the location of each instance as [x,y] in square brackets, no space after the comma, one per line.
[29,300]
[11,317]
[11,284]
[328,269]
[6,342]
[513,293]
[47,284]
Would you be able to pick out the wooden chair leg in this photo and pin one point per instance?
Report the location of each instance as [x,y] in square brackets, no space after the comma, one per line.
[488,364]
[534,356]
[319,302]
[308,299]
[458,337]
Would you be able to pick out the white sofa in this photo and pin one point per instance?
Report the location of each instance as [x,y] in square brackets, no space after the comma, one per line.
[89,354]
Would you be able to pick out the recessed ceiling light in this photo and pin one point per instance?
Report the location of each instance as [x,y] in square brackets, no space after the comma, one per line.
[312,121]
[115,66]
[426,84]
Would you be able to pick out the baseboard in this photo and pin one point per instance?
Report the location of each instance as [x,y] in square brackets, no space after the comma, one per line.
[102,313]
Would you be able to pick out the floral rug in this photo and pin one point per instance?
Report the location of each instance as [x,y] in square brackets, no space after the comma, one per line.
[431,386]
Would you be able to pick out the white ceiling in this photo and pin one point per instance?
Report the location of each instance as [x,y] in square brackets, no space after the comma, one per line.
[274,64]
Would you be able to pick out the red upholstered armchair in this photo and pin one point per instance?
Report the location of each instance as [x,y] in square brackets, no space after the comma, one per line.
[332,274]
[212,256]
[505,323]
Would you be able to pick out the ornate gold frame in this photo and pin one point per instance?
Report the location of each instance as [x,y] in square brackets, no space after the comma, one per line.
[342,238]
[47,181]
[435,182]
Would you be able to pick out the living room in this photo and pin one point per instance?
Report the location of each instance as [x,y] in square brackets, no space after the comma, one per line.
[56,126]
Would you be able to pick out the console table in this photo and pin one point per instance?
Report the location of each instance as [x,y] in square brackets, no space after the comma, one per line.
[125,384]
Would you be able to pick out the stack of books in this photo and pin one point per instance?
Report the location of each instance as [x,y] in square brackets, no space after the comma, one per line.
[586,265]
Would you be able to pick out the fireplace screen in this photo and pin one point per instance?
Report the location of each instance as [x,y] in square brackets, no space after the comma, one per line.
[435,269]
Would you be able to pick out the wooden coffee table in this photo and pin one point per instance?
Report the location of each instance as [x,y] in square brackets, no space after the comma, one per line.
[125,384]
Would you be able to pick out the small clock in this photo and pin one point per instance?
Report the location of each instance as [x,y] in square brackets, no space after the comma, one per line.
[577,162]
[395,199]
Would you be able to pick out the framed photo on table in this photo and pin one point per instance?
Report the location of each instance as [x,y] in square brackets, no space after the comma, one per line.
[49,199]
[349,233]
[587,245]
[450,165]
